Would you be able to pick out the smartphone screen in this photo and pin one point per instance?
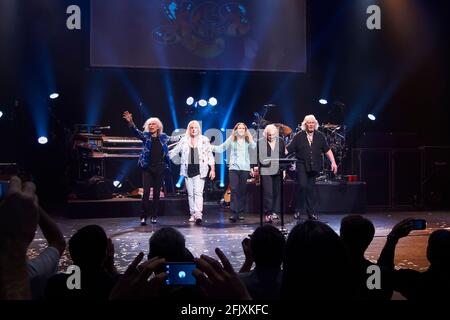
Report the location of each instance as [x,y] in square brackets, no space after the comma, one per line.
[180,273]
[419,224]
[3,188]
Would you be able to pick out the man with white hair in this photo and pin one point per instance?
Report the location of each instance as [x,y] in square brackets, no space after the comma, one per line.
[308,146]
[271,149]
[152,160]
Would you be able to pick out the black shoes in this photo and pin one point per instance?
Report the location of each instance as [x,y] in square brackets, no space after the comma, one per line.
[233,219]
[311,216]
[153,220]
[143,221]
[198,222]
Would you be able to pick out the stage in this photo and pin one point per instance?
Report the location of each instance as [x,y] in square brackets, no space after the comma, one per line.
[130,238]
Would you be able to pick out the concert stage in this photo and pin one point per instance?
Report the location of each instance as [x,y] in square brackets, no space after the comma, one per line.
[331,197]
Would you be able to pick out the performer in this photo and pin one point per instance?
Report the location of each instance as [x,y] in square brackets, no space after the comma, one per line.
[239,143]
[152,160]
[196,158]
[308,146]
[271,146]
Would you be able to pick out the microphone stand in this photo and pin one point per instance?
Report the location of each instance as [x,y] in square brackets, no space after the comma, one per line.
[260,120]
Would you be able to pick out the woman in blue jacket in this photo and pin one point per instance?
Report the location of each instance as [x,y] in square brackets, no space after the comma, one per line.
[152,160]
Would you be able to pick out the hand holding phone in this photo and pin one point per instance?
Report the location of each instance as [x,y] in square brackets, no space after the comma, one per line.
[180,273]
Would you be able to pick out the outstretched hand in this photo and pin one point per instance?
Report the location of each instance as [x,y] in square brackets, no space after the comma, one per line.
[219,281]
[402,229]
[128,116]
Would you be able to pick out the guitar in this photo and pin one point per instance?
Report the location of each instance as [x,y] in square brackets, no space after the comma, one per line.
[227,196]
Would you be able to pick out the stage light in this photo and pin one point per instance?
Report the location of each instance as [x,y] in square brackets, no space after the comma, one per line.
[43,140]
[179,182]
[371,117]
[212,101]
[177,130]
[1,114]
[117,184]
[222,129]
[323,101]
[202,103]
[190,101]
[222,185]
[54,95]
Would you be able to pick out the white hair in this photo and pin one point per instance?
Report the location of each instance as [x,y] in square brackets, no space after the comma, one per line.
[268,128]
[192,123]
[307,118]
[158,123]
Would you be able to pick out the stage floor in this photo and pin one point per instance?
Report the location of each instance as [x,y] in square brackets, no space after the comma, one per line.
[130,238]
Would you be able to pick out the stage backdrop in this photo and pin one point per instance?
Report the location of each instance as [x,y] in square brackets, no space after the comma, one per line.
[256,35]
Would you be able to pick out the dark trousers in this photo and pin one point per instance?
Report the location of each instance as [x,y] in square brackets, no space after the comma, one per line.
[271,193]
[152,177]
[238,186]
[306,187]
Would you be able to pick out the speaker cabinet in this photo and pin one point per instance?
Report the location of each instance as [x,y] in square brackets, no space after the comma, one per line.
[374,167]
[435,180]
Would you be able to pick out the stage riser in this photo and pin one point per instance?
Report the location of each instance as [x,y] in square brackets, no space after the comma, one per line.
[329,197]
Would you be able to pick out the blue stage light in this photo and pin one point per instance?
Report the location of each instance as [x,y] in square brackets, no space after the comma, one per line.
[54,95]
[190,101]
[212,101]
[43,140]
[371,117]
[323,101]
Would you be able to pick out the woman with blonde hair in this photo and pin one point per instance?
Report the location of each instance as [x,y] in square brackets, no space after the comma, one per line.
[194,155]
[152,160]
[239,144]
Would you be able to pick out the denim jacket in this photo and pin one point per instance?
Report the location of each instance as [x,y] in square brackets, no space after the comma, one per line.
[144,157]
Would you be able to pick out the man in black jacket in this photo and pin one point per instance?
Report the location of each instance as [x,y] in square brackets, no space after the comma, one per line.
[308,146]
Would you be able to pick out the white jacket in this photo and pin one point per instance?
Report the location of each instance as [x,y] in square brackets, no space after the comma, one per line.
[205,155]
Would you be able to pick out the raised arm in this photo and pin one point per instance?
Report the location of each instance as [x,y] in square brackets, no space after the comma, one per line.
[129,118]
[400,230]
[52,233]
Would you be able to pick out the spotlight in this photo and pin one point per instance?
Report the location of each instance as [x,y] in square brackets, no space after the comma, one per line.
[323,101]
[222,129]
[202,103]
[371,117]
[117,184]
[179,182]
[1,114]
[54,95]
[222,184]
[212,101]
[42,140]
[177,130]
[190,101]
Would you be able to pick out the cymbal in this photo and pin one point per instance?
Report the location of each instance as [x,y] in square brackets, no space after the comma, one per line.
[330,126]
[284,129]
